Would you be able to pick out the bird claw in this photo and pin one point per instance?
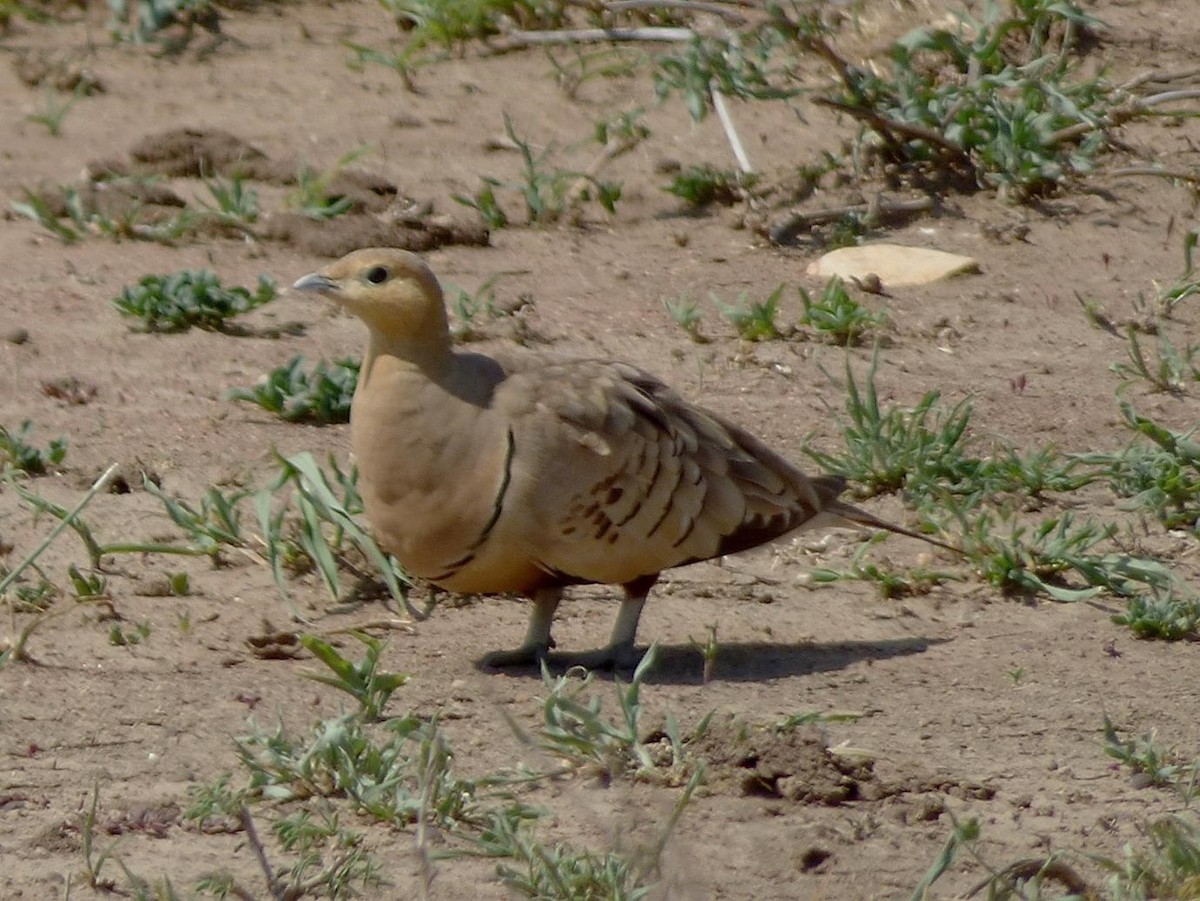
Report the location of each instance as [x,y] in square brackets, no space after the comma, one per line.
[526,655]
[622,658]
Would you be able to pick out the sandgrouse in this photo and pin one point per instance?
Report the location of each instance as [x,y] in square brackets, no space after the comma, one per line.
[527,473]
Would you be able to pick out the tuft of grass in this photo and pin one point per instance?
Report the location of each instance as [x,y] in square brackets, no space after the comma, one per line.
[1161,478]
[1168,868]
[837,316]
[895,448]
[891,584]
[54,112]
[754,320]
[700,186]
[1041,559]
[470,308]
[1150,764]
[232,203]
[325,532]
[686,314]
[313,195]
[295,392]
[1171,370]
[548,192]
[17,453]
[189,298]
[369,685]
[1163,616]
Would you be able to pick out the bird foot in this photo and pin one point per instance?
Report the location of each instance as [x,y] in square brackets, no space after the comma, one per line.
[525,655]
[620,658]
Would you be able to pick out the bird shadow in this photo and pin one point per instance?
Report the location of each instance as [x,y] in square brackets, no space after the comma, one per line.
[753,661]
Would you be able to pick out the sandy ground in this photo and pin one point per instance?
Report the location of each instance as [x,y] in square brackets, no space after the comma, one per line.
[974,705]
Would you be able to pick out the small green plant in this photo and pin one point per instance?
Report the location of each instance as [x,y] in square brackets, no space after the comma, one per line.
[1161,478]
[1171,372]
[13,649]
[93,859]
[1039,560]
[1150,764]
[215,525]
[296,392]
[140,21]
[754,320]
[484,202]
[125,638]
[1161,615]
[895,448]
[313,195]
[703,185]
[548,192]
[687,315]
[892,584]
[708,651]
[1169,868]
[325,530]
[232,203]
[837,316]
[808,718]
[575,731]
[470,308]
[16,452]
[189,298]
[88,586]
[73,218]
[371,686]
[54,112]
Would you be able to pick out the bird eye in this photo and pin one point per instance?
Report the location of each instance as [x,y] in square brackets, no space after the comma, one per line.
[377,275]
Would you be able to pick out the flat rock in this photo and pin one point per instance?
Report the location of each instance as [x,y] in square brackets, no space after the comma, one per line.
[894,264]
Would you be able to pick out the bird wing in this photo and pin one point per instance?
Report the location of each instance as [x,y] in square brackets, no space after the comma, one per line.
[619,477]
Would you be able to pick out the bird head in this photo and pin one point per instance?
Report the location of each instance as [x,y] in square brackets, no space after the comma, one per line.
[392,291]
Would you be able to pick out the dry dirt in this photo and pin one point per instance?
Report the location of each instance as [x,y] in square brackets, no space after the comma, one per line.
[974,705]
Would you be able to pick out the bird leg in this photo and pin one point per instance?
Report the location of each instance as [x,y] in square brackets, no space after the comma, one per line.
[537,641]
[620,653]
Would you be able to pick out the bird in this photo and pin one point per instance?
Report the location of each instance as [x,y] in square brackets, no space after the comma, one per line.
[525,472]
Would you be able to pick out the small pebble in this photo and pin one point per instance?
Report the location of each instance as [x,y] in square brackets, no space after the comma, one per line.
[17,336]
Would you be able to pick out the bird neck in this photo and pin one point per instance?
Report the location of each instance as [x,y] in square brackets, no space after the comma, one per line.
[430,355]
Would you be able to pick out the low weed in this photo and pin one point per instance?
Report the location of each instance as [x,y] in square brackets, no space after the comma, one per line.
[313,195]
[232,203]
[754,320]
[548,192]
[1040,559]
[369,685]
[1150,764]
[838,317]
[1168,868]
[213,526]
[470,309]
[686,314]
[319,394]
[891,584]
[142,21]
[190,298]
[54,112]
[324,531]
[1162,615]
[72,214]
[896,448]
[700,186]
[1160,478]
[1171,370]
[575,731]
[19,454]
